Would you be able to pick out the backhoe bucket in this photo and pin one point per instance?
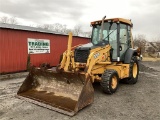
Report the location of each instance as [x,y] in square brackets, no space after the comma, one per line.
[63,92]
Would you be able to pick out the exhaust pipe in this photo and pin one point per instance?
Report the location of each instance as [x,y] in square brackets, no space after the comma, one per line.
[102,27]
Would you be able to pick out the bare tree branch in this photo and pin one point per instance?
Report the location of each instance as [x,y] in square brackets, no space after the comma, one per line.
[4,19]
[9,20]
[140,41]
[13,20]
[77,30]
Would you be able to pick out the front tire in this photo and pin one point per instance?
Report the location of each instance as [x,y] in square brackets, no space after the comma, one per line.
[110,81]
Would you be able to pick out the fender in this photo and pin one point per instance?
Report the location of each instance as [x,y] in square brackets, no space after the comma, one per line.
[129,53]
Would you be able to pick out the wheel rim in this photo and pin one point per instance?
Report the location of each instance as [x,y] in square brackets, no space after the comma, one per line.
[135,70]
[114,82]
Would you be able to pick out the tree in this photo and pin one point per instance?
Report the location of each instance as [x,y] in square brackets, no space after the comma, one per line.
[57,27]
[158,44]
[44,26]
[60,28]
[4,19]
[77,30]
[68,31]
[140,41]
[64,29]
[13,20]
[9,20]
[87,34]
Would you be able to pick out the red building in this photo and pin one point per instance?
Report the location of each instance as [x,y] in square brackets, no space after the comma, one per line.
[14,46]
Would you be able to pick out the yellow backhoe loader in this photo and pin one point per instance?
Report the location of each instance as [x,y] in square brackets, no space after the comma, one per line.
[108,58]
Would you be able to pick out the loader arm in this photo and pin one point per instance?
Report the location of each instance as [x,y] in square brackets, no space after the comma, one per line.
[68,55]
[100,55]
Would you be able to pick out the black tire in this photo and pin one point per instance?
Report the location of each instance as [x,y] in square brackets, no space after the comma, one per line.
[107,81]
[133,72]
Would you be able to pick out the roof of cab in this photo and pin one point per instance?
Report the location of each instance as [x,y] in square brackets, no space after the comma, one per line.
[127,21]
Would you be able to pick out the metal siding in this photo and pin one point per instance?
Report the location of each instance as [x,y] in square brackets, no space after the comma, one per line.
[13,49]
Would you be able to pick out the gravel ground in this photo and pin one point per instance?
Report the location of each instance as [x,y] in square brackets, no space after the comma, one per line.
[131,102]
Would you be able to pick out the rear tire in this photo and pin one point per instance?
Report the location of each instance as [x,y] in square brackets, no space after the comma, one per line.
[110,81]
[133,72]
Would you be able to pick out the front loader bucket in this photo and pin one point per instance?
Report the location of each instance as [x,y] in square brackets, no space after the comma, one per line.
[63,92]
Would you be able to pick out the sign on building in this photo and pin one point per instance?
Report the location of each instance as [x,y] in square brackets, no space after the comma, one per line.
[36,46]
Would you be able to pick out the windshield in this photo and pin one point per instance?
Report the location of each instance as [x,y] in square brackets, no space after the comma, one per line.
[109,33]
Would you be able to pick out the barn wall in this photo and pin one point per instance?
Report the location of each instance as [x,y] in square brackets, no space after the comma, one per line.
[14,51]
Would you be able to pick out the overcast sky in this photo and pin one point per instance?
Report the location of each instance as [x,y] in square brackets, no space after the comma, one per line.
[145,14]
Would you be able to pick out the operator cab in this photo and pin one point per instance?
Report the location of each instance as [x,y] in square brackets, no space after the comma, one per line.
[115,32]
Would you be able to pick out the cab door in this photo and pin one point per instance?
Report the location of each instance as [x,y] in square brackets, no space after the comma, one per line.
[124,40]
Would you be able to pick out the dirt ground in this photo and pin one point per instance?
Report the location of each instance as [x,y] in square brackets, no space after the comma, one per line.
[140,101]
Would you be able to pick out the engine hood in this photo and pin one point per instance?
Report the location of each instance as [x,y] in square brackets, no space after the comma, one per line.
[82,52]
[87,46]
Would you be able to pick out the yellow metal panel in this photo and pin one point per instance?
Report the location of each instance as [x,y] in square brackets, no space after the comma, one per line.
[115,20]
[122,69]
[68,52]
